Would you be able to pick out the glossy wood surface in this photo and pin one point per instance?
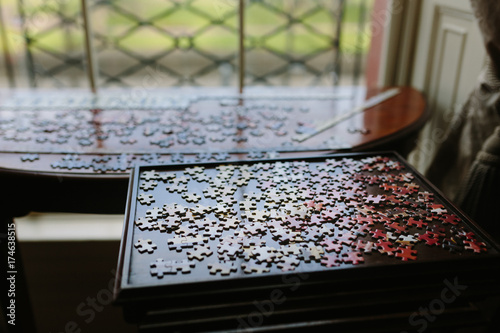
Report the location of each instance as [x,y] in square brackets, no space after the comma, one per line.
[36,185]
[383,124]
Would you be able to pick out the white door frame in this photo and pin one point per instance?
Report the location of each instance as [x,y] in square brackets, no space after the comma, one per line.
[399,42]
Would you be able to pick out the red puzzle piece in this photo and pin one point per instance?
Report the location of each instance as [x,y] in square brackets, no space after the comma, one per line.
[419,224]
[331,246]
[475,246]
[429,238]
[406,253]
[377,233]
[385,247]
[353,258]
[331,260]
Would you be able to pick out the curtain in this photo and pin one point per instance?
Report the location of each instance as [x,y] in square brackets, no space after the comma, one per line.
[466,166]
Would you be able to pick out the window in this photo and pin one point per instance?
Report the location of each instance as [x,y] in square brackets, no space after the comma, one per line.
[185,42]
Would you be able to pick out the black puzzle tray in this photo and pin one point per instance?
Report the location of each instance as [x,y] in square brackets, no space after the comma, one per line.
[208,227]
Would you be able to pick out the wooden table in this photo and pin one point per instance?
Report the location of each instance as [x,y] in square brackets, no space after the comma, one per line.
[61,149]
[69,151]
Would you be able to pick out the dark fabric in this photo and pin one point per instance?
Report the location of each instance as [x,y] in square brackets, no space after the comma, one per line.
[487,13]
[479,197]
[480,185]
[480,115]
[469,129]
[491,146]
[466,165]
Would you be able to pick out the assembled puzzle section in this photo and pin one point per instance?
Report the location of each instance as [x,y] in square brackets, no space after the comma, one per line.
[206,222]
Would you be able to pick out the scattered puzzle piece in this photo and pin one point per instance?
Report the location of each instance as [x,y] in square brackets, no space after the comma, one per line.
[266,254]
[30,157]
[475,246]
[191,197]
[331,245]
[255,268]
[144,223]
[331,260]
[229,250]
[407,239]
[385,247]
[170,223]
[160,267]
[406,253]
[199,253]
[230,223]
[311,253]
[148,185]
[354,258]
[288,263]
[181,242]
[291,249]
[150,175]
[145,245]
[323,213]
[154,213]
[212,232]
[366,247]
[146,199]
[224,268]
[429,238]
